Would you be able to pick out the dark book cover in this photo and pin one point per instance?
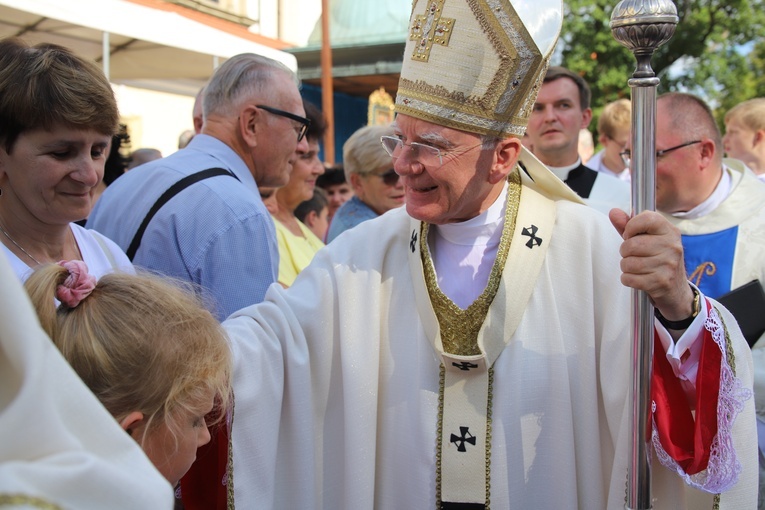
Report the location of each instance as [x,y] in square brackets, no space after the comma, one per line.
[747,304]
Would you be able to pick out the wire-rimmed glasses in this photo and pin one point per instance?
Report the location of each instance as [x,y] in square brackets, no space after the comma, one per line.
[427,155]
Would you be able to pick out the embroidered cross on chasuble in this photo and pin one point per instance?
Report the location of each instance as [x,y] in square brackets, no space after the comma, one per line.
[470,340]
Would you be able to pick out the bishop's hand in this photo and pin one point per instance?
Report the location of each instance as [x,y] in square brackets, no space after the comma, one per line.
[652,261]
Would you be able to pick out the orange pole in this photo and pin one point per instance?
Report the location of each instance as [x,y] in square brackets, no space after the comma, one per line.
[327,99]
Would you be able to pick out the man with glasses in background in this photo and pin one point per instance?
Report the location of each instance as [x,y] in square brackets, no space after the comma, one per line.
[216,233]
[471,349]
[197,215]
[719,206]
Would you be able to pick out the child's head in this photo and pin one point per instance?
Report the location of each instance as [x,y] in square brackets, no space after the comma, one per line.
[146,348]
[745,133]
[314,213]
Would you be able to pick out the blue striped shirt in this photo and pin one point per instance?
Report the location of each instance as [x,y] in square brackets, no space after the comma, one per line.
[216,233]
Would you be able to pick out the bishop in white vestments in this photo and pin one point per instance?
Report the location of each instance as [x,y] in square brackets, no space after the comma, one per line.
[472,350]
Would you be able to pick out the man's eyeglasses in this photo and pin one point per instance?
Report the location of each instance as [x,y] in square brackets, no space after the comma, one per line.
[626,154]
[427,155]
[304,123]
[390,177]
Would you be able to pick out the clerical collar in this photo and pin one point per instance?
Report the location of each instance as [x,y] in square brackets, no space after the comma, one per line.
[480,229]
[561,172]
[720,193]
[463,253]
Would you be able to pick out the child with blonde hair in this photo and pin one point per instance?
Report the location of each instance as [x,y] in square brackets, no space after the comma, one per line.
[745,134]
[155,358]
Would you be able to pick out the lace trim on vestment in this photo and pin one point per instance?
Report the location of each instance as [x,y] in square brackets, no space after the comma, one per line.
[724,468]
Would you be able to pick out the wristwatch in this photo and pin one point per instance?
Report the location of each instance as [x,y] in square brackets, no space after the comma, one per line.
[684,323]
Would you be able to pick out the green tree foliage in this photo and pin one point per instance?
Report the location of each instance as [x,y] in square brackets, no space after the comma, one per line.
[718,48]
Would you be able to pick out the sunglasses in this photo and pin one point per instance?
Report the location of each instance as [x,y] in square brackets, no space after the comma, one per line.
[390,177]
[304,123]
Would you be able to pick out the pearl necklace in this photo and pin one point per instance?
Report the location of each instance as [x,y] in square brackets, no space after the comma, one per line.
[17,245]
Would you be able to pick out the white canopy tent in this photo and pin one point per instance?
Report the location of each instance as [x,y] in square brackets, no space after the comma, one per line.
[138,45]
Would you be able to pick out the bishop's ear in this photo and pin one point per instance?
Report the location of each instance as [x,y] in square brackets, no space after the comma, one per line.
[506,155]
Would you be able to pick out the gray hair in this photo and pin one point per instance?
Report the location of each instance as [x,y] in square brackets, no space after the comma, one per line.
[237,79]
[363,151]
[489,142]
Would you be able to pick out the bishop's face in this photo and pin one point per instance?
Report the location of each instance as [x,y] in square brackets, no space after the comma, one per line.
[453,188]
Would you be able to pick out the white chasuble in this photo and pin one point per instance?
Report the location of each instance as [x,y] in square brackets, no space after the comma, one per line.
[725,248]
[337,380]
[469,341]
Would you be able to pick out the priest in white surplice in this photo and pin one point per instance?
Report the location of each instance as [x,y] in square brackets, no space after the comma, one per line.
[472,349]
[719,207]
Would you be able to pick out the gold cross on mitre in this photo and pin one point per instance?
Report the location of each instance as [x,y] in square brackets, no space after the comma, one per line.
[430,28]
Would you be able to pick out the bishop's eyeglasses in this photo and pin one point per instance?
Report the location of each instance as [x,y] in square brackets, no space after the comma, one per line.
[427,155]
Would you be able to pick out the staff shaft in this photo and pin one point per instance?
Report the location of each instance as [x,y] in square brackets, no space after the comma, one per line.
[642,26]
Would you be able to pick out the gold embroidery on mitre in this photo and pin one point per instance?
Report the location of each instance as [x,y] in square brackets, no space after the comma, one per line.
[505,65]
[459,328]
[429,29]
[702,270]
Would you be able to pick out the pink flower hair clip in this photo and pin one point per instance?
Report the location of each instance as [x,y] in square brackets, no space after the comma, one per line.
[77,286]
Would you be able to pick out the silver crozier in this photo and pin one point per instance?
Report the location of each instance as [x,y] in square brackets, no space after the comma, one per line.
[642,26]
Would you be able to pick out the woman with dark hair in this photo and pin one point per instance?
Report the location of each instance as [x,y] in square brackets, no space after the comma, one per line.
[297,244]
[57,118]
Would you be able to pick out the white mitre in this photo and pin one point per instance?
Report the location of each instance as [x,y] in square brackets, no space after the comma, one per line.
[477,66]
[60,447]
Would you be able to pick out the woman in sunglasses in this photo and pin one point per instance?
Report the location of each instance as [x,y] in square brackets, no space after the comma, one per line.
[376,185]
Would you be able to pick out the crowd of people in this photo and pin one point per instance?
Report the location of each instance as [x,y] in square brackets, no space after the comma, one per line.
[442,319]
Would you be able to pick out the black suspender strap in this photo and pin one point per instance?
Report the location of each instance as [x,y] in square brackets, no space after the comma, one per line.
[166,196]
